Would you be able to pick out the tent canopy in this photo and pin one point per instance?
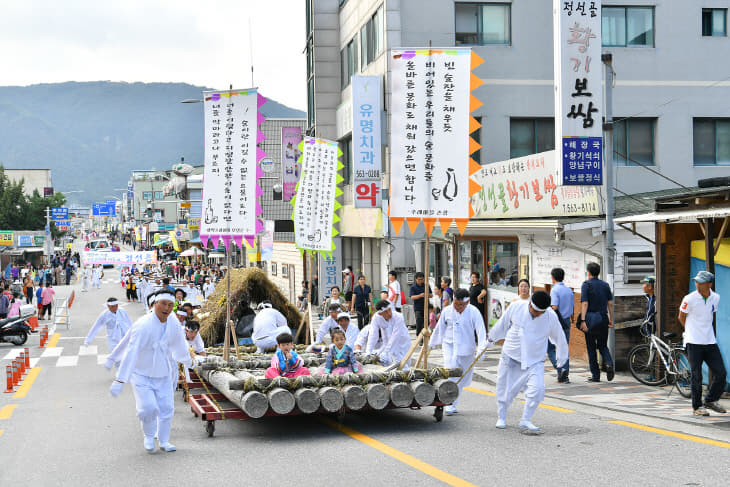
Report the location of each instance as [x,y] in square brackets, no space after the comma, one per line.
[192,252]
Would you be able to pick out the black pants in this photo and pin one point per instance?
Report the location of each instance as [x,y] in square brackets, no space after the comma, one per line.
[710,354]
[363,316]
[419,320]
[598,341]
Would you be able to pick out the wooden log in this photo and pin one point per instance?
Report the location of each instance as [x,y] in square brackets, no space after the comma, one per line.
[446,391]
[254,403]
[401,395]
[281,401]
[331,399]
[355,397]
[423,393]
[307,400]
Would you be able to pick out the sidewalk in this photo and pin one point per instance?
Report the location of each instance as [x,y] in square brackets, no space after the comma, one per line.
[623,394]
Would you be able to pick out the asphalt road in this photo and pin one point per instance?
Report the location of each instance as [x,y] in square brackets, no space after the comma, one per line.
[67,430]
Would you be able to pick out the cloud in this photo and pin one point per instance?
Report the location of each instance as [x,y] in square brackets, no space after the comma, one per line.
[203,43]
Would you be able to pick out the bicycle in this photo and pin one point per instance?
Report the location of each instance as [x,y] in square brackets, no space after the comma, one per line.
[658,362]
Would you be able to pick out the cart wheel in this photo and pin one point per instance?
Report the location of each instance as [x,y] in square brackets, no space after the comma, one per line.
[210,428]
[438,413]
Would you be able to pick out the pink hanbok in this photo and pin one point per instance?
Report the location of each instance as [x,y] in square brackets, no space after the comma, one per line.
[280,367]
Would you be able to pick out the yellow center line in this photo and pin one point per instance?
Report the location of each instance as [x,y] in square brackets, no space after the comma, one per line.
[413,462]
[544,406]
[27,383]
[673,434]
[7,411]
[54,340]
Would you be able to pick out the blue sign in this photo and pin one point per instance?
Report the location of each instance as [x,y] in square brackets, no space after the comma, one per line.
[48,230]
[582,161]
[63,223]
[100,209]
[111,202]
[25,241]
[59,213]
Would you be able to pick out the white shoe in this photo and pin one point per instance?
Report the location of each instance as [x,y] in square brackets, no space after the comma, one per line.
[168,447]
[501,424]
[450,410]
[529,428]
[149,444]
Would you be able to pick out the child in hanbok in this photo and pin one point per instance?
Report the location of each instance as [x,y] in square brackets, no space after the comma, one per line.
[286,362]
[340,359]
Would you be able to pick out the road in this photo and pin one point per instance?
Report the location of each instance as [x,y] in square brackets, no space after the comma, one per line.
[67,430]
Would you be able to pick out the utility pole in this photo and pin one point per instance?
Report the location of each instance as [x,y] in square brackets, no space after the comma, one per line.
[48,242]
[609,250]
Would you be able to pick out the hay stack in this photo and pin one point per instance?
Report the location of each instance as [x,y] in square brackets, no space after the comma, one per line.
[249,286]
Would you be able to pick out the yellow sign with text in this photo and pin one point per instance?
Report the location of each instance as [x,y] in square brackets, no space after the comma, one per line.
[6,238]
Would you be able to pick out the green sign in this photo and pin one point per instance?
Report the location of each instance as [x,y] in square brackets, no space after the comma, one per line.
[38,240]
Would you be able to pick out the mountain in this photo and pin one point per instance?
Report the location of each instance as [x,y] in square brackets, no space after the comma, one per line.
[92,134]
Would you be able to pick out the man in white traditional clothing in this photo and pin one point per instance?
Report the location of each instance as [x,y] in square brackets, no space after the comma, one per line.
[328,323]
[526,328]
[96,276]
[267,325]
[156,342]
[208,288]
[85,278]
[193,294]
[390,326]
[116,321]
[455,331]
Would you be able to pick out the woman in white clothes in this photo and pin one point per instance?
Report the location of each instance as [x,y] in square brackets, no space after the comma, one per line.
[116,321]
[156,341]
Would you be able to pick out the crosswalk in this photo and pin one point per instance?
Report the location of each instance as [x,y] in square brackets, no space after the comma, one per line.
[55,356]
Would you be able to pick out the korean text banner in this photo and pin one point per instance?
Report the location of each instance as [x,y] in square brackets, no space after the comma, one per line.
[430,143]
[6,238]
[578,91]
[528,186]
[122,258]
[366,140]
[230,175]
[291,166]
[314,203]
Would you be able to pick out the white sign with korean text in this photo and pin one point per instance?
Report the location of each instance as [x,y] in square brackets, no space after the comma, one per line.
[578,91]
[119,258]
[315,204]
[571,261]
[430,133]
[529,186]
[366,143]
[229,184]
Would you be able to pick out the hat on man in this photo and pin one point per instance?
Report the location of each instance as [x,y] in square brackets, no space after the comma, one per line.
[345,271]
[343,315]
[704,276]
[649,280]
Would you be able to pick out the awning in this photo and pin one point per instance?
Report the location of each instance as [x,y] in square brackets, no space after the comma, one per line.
[216,255]
[676,216]
[192,252]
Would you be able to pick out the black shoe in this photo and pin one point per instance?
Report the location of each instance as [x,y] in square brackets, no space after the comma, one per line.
[609,373]
[562,376]
[566,381]
[593,379]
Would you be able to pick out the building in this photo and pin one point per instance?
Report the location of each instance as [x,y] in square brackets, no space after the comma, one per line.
[673,121]
[34,180]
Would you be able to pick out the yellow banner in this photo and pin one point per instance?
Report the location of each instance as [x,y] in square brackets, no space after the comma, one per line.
[175,244]
[137,235]
[6,238]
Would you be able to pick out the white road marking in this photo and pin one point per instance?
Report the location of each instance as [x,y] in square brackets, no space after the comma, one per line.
[13,354]
[52,352]
[90,350]
[68,361]
[34,361]
[101,359]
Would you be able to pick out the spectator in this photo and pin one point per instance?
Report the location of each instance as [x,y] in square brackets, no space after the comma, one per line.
[561,299]
[362,300]
[447,294]
[4,305]
[348,282]
[477,293]
[648,287]
[596,317]
[697,313]
[418,293]
[394,292]
[47,299]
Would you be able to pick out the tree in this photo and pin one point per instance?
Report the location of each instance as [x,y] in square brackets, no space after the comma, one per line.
[20,212]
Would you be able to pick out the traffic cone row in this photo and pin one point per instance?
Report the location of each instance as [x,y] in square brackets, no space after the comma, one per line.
[44,336]
[14,373]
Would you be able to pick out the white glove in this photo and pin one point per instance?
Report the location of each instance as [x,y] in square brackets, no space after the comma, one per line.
[116,388]
[480,353]
[109,364]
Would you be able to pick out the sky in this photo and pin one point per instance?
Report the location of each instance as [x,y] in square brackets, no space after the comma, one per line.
[203,43]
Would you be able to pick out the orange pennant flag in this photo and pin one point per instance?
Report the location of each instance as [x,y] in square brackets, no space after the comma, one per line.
[397,224]
[475,82]
[473,125]
[474,103]
[461,223]
[444,224]
[474,167]
[429,223]
[473,146]
[474,187]
[475,60]
[413,224]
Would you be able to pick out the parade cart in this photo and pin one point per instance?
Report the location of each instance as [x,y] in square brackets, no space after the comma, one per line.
[237,390]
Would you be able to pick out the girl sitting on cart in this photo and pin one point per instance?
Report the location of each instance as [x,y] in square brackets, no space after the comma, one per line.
[286,362]
[341,358]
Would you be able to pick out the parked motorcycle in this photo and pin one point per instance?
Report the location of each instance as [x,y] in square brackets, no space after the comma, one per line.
[15,330]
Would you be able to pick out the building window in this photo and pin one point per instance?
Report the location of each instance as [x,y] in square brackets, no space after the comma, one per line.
[273,268]
[346,148]
[348,62]
[711,141]
[638,265]
[159,195]
[530,136]
[477,135]
[371,38]
[482,23]
[147,195]
[283,226]
[714,22]
[633,142]
[627,26]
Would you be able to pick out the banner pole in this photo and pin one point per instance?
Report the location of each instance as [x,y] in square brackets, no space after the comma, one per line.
[227,337]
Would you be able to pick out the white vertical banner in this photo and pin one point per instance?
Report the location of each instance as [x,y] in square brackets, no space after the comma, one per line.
[366,140]
[314,207]
[267,241]
[430,144]
[229,184]
[578,91]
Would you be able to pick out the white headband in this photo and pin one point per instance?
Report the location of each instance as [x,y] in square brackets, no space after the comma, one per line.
[181,311]
[536,308]
[112,303]
[164,297]
[465,300]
